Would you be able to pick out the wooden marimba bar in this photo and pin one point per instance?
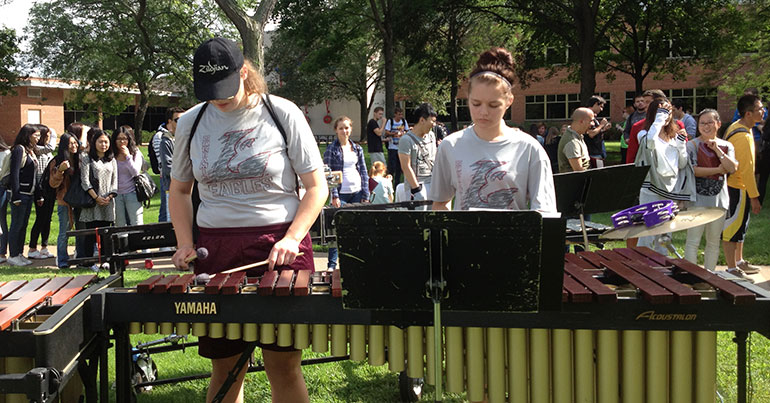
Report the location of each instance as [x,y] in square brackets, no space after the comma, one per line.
[635,326]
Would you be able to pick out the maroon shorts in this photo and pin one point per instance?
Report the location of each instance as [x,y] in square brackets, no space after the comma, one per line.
[233,247]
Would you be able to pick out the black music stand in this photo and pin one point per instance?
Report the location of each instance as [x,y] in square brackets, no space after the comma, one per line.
[503,261]
[598,190]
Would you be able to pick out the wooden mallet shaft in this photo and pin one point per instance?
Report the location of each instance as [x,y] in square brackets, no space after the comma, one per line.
[251,265]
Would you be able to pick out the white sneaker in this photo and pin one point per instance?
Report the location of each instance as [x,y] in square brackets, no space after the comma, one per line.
[45,254]
[25,259]
[3,259]
[34,254]
[17,261]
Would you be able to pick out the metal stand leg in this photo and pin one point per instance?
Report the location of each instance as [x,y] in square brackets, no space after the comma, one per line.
[740,340]
[104,382]
[222,392]
[123,390]
[585,234]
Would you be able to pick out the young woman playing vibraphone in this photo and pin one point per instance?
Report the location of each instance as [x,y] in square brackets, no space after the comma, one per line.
[246,171]
[489,164]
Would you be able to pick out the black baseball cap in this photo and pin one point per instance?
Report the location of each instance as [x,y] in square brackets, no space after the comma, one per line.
[216,69]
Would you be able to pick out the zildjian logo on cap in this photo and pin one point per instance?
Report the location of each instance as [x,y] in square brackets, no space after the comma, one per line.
[209,68]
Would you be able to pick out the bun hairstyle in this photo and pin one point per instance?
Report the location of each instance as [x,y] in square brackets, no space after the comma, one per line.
[494,66]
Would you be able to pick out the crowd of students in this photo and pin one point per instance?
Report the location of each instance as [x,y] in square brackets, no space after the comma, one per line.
[102,164]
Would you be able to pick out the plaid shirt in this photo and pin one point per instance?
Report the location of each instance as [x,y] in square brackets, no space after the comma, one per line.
[333,158]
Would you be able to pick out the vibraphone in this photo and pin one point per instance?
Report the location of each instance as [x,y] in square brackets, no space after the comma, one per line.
[116,245]
[44,341]
[634,326]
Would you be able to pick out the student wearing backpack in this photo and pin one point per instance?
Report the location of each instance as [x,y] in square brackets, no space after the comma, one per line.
[245,150]
[154,153]
[23,170]
[742,185]
[45,197]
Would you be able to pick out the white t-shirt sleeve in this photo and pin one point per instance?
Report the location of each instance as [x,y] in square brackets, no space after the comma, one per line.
[303,151]
[442,189]
[542,195]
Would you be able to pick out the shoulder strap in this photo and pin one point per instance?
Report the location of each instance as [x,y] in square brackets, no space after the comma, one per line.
[738,130]
[195,124]
[271,111]
[195,196]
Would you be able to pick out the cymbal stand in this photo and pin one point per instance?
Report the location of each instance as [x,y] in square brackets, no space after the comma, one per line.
[665,241]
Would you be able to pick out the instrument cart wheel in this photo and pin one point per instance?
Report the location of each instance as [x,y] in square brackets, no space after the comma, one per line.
[410,389]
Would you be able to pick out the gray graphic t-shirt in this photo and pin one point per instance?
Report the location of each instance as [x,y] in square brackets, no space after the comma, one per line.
[422,153]
[513,173]
[245,174]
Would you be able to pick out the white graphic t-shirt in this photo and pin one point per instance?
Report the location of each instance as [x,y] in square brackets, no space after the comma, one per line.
[246,177]
[513,173]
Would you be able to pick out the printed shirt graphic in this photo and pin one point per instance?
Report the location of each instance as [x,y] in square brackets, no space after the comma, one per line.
[422,153]
[513,173]
[245,172]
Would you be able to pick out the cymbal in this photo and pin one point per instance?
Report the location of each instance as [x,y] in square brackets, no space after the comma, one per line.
[684,220]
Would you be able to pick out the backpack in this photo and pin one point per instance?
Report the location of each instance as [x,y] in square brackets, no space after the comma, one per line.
[153,157]
[5,169]
[44,186]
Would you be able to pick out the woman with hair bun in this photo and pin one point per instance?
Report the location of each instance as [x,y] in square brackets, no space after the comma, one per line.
[490,164]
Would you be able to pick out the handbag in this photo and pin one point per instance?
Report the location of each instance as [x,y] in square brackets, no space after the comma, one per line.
[145,188]
[76,197]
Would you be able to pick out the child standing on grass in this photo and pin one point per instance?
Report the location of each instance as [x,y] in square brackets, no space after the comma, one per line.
[383,191]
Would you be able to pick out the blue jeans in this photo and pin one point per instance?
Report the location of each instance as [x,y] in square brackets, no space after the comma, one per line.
[345,198]
[163,212]
[62,256]
[128,210]
[19,220]
[3,220]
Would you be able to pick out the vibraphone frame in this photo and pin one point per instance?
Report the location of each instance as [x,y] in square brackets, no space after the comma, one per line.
[56,361]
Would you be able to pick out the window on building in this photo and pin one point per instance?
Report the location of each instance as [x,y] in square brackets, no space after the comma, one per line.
[696,99]
[33,116]
[33,92]
[557,106]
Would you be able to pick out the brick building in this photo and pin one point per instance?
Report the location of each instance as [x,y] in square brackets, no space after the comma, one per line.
[552,100]
[39,100]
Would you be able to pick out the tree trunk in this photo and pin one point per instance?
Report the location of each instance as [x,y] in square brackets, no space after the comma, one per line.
[453,105]
[141,110]
[390,73]
[586,25]
[453,50]
[252,45]
[250,28]
[363,115]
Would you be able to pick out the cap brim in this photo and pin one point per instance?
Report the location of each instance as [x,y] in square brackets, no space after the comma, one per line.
[223,88]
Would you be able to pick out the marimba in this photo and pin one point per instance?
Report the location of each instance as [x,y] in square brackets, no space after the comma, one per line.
[634,326]
[44,339]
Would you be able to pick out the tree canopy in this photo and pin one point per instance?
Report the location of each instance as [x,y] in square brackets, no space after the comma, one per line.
[9,47]
[108,47]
